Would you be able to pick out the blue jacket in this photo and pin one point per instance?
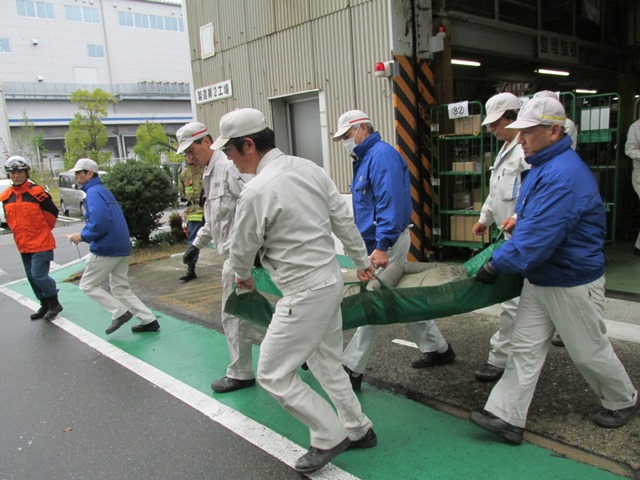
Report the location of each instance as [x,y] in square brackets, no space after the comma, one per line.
[380,192]
[105,230]
[561,226]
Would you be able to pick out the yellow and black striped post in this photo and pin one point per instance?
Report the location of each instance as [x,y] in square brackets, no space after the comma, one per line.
[413,94]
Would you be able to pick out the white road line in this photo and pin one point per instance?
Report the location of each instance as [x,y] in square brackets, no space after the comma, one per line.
[253,432]
[2,272]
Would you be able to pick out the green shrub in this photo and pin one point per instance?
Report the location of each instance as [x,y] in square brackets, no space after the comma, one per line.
[144,191]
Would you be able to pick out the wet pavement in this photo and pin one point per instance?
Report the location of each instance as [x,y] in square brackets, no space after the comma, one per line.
[559,417]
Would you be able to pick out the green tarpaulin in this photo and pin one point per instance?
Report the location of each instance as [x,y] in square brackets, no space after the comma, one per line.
[390,305]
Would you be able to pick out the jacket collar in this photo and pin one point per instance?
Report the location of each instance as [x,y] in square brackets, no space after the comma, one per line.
[362,149]
[91,183]
[550,152]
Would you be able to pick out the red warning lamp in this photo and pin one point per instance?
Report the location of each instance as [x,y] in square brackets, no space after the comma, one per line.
[441,29]
[382,69]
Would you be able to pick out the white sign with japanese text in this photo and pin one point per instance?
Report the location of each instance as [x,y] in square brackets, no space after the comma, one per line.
[214,92]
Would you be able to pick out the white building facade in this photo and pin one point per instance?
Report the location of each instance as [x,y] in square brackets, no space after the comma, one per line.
[135,50]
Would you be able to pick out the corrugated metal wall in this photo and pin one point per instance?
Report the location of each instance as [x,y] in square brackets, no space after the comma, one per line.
[271,48]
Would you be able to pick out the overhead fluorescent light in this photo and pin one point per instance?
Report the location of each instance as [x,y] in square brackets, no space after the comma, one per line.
[584,90]
[466,63]
[546,71]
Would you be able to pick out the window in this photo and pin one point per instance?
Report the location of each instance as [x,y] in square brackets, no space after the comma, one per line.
[206,41]
[96,51]
[141,21]
[154,22]
[125,19]
[5,47]
[81,14]
[29,8]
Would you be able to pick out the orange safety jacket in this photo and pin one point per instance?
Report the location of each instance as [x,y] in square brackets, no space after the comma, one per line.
[31,215]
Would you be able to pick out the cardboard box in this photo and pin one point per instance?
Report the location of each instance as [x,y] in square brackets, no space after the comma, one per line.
[477,206]
[476,193]
[467,125]
[458,166]
[453,228]
[469,221]
[472,167]
[460,225]
[462,200]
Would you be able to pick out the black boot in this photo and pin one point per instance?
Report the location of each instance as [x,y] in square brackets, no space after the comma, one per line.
[54,308]
[40,313]
[191,273]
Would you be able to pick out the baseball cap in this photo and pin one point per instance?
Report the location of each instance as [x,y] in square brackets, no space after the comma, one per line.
[498,104]
[239,123]
[348,120]
[547,93]
[85,164]
[540,111]
[189,133]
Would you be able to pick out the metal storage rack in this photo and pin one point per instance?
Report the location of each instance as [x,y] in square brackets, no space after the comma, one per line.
[459,176]
[598,117]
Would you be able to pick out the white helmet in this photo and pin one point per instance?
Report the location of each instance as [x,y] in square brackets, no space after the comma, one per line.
[15,164]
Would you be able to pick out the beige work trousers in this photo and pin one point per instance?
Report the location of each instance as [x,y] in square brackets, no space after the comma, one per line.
[307,327]
[121,299]
[577,314]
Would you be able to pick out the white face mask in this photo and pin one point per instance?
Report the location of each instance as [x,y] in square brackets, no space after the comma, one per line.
[349,144]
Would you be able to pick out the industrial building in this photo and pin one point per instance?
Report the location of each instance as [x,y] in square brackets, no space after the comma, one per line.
[304,62]
[136,50]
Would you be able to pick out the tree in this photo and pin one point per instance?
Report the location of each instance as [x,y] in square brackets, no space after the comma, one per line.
[87,134]
[144,191]
[27,142]
[152,141]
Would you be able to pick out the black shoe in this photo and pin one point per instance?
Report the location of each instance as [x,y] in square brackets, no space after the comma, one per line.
[557,340]
[40,313]
[118,322]
[228,384]
[369,440]
[614,418]
[493,424]
[54,308]
[354,378]
[489,373]
[317,458]
[147,327]
[430,359]
[188,276]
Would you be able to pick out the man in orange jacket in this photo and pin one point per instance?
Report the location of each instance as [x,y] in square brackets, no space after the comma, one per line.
[31,215]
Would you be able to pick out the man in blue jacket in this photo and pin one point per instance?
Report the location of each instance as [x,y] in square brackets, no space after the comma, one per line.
[557,246]
[382,209]
[107,233]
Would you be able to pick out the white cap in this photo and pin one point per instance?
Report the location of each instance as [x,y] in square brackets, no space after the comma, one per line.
[189,133]
[239,123]
[85,164]
[498,104]
[547,93]
[348,120]
[540,111]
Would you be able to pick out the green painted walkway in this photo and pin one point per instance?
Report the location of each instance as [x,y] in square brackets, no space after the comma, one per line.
[415,442]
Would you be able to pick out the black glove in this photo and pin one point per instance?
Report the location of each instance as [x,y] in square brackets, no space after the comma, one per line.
[256,261]
[190,255]
[487,274]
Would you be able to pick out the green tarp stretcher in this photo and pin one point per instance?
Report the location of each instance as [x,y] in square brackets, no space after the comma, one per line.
[389,305]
